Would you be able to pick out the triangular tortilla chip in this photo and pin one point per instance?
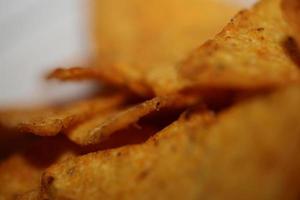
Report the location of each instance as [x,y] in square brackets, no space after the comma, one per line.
[249,152]
[253,152]
[144,171]
[102,126]
[50,121]
[82,73]
[107,75]
[252,52]
[137,42]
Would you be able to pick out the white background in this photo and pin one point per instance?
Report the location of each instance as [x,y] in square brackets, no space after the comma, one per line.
[35,36]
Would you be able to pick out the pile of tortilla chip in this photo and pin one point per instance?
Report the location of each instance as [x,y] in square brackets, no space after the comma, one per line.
[187,110]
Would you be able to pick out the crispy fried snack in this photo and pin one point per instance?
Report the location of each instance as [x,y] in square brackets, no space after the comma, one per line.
[252,52]
[138,44]
[102,126]
[50,121]
[153,170]
[253,151]
[249,152]
[107,75]
[291,12]
[239,138]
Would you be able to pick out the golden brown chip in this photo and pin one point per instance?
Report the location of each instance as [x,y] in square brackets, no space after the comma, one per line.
[107,75]
[291,11]
[153,170]
[81,132]
[79,73]
[249,152]
[21,172]
[253,151]
[139,36]
[50,121]
[252,52]
[135,44]
[84,73]
[102,126]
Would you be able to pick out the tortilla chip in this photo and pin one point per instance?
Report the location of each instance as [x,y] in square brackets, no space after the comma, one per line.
[109,76]
[21,172]
[102,126]
[137,39]
[126,137]
[139,36]
[250,53]
[50,121]
[81,73]
[248,152]
[291,12]
[81,132]
[152,170]
[253,152]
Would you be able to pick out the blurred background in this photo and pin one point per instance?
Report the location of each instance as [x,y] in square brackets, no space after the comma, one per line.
[38,35]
